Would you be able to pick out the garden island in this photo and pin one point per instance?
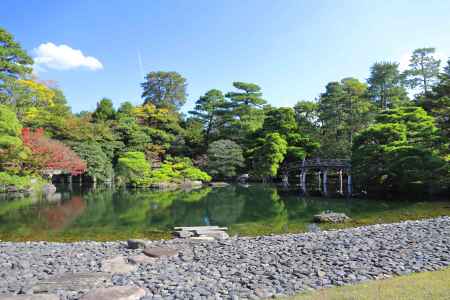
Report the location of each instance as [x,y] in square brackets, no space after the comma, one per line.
[235,197]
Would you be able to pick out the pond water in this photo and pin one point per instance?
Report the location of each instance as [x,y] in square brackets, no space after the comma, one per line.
[119,214]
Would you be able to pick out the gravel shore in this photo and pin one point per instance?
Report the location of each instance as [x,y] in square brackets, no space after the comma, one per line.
[236,268]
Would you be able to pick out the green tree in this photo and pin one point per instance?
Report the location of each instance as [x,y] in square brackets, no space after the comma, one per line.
[343,110]
[397,153]
[99,166]
[423,70]
[27,96]
[162,125]
[268,155]
[385,86]
[12,150]
[447,68]
[307,117]
[224,158]
[281,120]
[193,136]
[437,104]
[209,111]
[14,61]
[105,111]
[132,136]
[164,89]
[125,109]
[245,110]
[420,126]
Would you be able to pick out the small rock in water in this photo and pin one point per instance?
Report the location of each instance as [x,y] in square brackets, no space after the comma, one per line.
[115,293]
[159,251]
[331,217]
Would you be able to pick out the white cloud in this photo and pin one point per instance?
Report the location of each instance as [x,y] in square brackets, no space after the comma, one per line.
[404,59]
[63,57]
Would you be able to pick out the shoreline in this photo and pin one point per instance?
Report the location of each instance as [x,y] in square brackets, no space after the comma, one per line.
[236,268]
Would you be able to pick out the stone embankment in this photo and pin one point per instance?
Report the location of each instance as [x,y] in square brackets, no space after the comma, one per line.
[235,268]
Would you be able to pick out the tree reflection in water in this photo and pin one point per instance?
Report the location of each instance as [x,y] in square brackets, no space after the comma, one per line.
[121,213]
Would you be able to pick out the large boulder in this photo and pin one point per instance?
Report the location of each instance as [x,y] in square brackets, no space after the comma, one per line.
[331,217]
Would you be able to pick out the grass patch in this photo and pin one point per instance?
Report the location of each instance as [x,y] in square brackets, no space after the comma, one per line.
[417,286]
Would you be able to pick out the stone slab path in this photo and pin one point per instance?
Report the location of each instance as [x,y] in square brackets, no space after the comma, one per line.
[236,268]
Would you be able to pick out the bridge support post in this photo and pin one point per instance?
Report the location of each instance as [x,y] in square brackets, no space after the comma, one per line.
[285,179]
[69,181]
[325,182]
[349,185]
[319,178]
[341,187]
[303,181]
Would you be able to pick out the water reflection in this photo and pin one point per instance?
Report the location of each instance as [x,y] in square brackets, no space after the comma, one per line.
[105,213]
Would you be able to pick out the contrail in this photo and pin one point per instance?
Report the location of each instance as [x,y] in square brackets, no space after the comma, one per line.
[141,68]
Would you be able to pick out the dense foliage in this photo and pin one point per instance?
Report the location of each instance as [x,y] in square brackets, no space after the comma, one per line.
[396,142]
[224,158]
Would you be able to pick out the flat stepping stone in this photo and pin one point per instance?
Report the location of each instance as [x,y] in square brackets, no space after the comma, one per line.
[141,259]
[115,293]
[184,234]
[160,251]
[215,234]
[117,265]
[72,282]
[203,238]
[200,228]
[29,297]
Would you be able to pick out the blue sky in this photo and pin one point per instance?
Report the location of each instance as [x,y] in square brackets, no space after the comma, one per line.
[290,48]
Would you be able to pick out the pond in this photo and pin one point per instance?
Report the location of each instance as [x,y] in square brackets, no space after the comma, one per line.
[119,214]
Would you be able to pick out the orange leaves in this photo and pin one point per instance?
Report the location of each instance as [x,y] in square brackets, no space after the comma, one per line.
[50,154]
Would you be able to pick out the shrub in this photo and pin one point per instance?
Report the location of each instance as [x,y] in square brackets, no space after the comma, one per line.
[20,182]
[134,168]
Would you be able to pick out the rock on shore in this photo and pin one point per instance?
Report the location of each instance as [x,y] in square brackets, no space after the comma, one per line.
[236,268]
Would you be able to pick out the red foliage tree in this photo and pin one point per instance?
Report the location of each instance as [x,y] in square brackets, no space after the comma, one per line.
[51,154]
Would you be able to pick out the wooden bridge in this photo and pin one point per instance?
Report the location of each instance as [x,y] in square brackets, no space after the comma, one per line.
[321,168]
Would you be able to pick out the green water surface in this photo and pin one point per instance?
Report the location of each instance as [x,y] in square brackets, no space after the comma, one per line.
[119,214]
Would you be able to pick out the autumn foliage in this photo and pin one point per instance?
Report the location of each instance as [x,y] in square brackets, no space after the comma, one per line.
[49,154]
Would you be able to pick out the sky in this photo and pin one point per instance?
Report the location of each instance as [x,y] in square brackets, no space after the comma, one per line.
[292,49]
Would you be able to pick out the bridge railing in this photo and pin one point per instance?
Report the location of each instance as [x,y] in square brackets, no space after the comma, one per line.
[321,163]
